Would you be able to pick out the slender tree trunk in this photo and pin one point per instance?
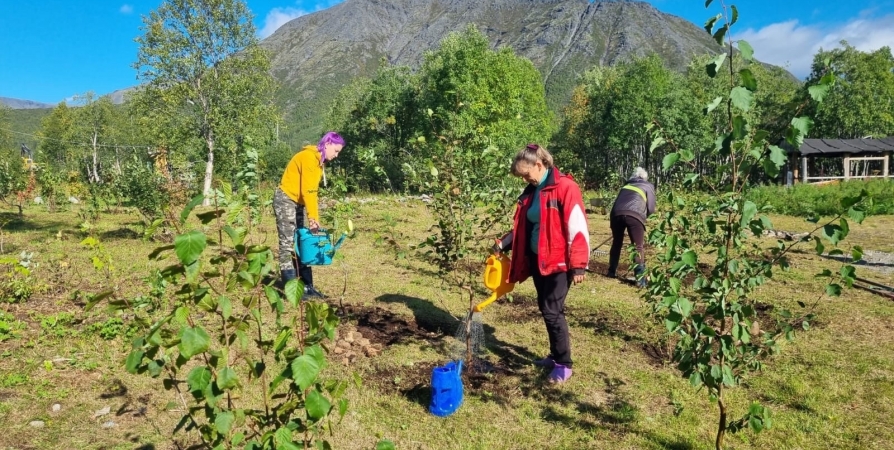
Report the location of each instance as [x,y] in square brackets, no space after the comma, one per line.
[209,172]
[721,425]
[94,177]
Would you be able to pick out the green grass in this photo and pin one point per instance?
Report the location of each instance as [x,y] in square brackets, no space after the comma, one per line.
[833,387]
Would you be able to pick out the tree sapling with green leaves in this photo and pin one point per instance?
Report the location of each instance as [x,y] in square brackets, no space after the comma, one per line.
[710,258]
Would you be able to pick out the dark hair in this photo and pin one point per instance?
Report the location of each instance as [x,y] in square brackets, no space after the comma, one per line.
[530,155]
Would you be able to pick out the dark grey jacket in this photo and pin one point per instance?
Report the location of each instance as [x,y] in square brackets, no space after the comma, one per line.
[631,203]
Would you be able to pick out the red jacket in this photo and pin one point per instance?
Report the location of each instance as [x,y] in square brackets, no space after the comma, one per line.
[564,238]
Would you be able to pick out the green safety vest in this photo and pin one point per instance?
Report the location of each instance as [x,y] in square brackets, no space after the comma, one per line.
[639,191]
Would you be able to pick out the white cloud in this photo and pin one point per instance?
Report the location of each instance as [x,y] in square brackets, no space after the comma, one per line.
[126,9]
[278,17]
[793,45]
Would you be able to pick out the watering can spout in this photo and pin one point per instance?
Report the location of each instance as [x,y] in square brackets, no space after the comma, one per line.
[496,274]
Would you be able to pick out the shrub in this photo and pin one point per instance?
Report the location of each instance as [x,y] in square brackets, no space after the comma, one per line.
[823,200]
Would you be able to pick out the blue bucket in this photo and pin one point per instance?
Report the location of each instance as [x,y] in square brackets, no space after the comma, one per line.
[315,249]
[446,389]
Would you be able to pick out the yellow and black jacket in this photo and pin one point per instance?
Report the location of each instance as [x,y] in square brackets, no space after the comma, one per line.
[301,179]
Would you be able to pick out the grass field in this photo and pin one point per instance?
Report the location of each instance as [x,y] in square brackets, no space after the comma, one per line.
[833,387]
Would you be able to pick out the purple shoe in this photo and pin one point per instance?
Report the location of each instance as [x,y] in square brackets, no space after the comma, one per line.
[560,374]
[547,362]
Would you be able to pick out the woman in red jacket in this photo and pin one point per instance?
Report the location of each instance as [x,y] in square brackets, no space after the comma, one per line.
[550,243]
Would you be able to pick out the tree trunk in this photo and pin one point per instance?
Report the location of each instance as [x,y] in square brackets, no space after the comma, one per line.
[721,425]
[209,172]
[94,177]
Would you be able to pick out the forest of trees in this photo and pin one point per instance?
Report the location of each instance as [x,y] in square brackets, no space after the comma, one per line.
[192,118]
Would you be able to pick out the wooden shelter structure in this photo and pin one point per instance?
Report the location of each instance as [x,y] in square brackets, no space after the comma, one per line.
[874,155]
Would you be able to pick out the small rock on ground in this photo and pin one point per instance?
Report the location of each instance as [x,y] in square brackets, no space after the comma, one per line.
[37,423]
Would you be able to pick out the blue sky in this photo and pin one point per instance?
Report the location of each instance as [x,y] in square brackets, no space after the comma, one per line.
[51,50]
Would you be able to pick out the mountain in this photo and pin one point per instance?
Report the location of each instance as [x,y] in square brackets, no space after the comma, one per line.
[15,103]
[313,56]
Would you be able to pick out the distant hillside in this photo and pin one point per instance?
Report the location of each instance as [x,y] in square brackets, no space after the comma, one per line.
[15,103]
[315,55]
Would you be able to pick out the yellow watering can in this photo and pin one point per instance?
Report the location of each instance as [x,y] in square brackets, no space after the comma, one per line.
[496,272]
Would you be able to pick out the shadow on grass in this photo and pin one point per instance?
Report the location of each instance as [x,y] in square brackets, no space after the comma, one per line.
[120,234]
[14,222]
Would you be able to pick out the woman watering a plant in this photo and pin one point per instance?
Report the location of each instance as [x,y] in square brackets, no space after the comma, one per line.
[296,200]
[550,243]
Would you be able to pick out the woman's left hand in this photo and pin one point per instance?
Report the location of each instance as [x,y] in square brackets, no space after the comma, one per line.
[578,279]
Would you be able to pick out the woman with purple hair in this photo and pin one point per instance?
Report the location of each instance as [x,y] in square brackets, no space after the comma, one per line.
[296,200]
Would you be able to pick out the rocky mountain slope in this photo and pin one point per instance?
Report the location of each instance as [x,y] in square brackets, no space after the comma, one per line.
[316,54]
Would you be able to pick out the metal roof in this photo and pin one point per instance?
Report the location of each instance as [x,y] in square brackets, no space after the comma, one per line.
[840,147]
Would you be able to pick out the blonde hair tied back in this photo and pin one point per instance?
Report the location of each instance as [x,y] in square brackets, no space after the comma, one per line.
[530,155]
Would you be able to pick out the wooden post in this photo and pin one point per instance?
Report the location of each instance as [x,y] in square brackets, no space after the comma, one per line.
[885,164]
[804,169]
[847,166]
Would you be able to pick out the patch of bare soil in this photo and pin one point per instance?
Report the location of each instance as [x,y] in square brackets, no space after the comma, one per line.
[384,327]
[376,328]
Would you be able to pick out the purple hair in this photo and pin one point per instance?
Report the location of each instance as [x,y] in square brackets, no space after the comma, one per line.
[329,138]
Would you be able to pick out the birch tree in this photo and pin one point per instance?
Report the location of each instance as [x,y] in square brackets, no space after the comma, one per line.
[201,66]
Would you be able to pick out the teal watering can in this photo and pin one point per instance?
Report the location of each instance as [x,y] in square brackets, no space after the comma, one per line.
[315,248]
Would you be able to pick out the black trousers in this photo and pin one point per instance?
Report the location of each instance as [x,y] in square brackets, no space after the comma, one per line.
[551,293]
[637,232]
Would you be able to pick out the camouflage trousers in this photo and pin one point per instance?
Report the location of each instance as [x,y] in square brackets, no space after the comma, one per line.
[289,215]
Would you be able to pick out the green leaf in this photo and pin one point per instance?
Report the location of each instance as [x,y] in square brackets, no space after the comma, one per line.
[685,306]
[227,378]
[735,15]
[283,438]
[720,34]
[189,246]
[778,156]
[669,160]
[728,378]
[746,50]
[294,291]
[818,92]
[713,67]
[857,253]
[198,379]
[237,235]
[749,210]
[385,444]
[305,370]
[317,405]
[740,127]
[134,359]
[190,206]
[226,306]
[709,24]
[741,98]
[224,422]
[657,142]
[193,341]
[690,258]
[713,105]
[802,124]
[748,80]
[833,290]
[820,248]
[695,379]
